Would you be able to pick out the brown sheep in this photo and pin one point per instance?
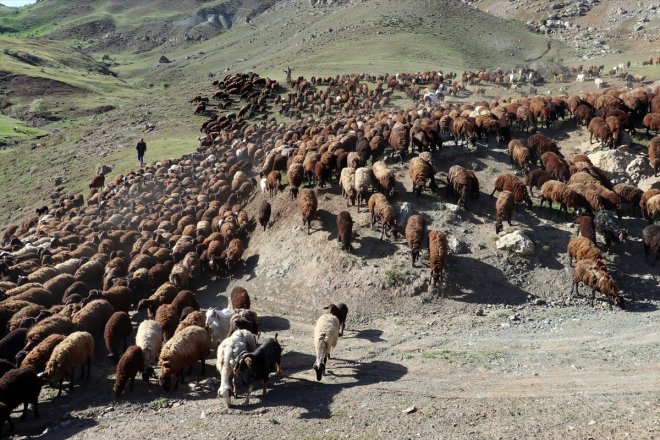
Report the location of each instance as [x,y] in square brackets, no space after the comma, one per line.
[586,227]
[521,155]
[651,240]
[400,139]
[629,194]
[381,210]
[168,319]
[556,166]
[463,183]
[599,129]
[654,154]
[97,181]
[76,350]
[165,294]
[295,176]
[582,248]
[239,298]
[555,191]
[235,250]
[503,210]
[385,178]
[651,121]
[193,318]
[347,183]
[591,274]
[55,324]
[509,182]
[536,178]
[415,231]
[274,179]
[437,255]
[117,329]
[344,230]
[583,114]
[643,200]
[190,345]
[307,205]
[653,208]
[128,367]
[93,317]
[38,357]
[421,172]
[615,127]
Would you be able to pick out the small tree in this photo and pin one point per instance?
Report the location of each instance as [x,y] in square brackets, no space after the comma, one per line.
[38,107]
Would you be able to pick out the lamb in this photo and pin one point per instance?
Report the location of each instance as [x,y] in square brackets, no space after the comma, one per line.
[503,210]
[651,240]
[168,319]
[340,311]
[38,357]
[421,172]
[76,350]
[654,154]
[307,205]
[257,366]
[185,348]
[590,274]
[586,227]
[463,183]
[20,385]
[345,230]
[12,343]
[385,178]
[437,255]
[581,248]
[218,324]
[415,230]
[362,184]
[93,316]
[607,227]
[117,329]
[263,184]
[239,298]
[239,342]
[264,214]
[128,367]
[509,182]
[381,210]
[150,339]
[326,334]
[347,183]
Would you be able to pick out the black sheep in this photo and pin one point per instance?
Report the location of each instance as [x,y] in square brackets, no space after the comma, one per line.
[607,227]
[651,239]
[5,366]
[344,230]
[11,344]
[257,366]
[340,311]
[264,214]
[20,385]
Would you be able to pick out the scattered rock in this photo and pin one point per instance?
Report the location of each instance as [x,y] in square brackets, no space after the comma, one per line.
[164,60]
[457,246]
[58,180]
[516,242]
[409,410]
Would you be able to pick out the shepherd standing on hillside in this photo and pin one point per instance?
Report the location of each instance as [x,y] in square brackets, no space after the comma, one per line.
[141,147]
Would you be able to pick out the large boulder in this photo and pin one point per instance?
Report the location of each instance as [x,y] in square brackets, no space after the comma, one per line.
[516,242]
[612,161]
[640,168]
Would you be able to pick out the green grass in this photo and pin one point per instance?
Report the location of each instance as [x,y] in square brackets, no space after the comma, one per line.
[14,129]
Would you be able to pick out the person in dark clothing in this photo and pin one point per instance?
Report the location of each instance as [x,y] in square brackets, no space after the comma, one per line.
[141,147]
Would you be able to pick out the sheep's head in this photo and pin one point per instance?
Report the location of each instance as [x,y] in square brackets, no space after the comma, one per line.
[619,302]
[168,381]
[224,392]
[498,227]
[623,234]
[320,370]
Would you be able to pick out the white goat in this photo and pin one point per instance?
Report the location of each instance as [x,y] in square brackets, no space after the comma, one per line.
[228,351]
[580,77]
[217,323]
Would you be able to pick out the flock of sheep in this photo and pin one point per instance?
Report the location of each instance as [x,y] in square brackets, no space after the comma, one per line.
[74,273]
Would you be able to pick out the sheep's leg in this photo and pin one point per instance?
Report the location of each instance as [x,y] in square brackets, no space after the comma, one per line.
[71,382]
[247,396]
[89,366]
[25,410]
[264,389]
[593,296]
[132,383]
[59,393]
[203,367]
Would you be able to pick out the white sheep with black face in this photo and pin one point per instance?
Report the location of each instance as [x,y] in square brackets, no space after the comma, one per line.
[326,334]
[228,352]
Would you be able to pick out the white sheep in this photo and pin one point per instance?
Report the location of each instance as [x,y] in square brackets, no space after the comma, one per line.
[150,339]
[326,334]
[580,77]
[217,323]
[263,183]
[228,351]
[598,83]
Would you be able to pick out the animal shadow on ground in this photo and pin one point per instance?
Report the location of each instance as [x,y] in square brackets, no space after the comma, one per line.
[373,247]
[273,323]
[478,282]
[316,397]
[371,335]
[328,221]
[250,266]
